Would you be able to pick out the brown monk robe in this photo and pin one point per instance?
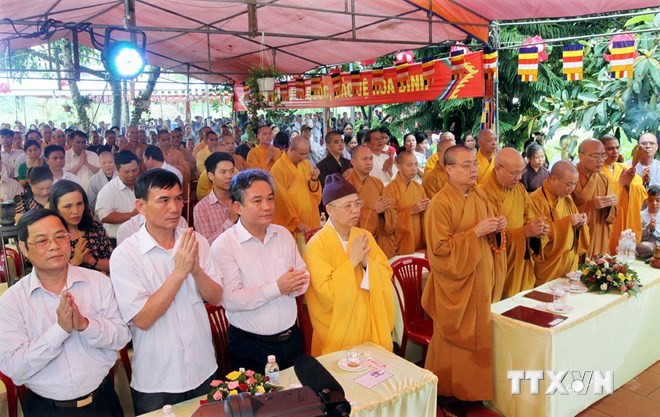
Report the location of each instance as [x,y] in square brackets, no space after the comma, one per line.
[265,154]
[569,234]
[593,195]
[436,157]
[406,215]
[487,142]
[508,197]
[370,190]
[435,179]
[629,190]
[461,230]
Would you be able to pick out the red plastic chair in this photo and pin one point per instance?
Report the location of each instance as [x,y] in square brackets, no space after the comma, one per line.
[220,335]
[14,395]
[311,233]
[304,324]
[407,280]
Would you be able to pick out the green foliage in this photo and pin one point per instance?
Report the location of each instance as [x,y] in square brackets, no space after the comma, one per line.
[257,101]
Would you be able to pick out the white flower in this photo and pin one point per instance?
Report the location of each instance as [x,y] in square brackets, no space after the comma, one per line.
[603,287]
[606,265]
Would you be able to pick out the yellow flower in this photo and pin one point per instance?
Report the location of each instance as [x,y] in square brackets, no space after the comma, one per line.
[622,277]
[260,389]
[233,392]
[598,273]
[585,272]
[233,375]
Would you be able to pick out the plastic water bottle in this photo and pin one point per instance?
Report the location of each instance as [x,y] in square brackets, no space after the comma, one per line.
[167,411]
[323,219]
[626,250]
[272,370]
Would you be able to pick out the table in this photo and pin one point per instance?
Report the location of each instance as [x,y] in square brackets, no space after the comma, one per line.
[412,391]
[603,332]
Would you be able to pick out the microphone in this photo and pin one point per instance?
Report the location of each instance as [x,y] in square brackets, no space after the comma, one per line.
[311,373]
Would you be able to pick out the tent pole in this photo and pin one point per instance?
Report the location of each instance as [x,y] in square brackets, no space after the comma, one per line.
[496,80]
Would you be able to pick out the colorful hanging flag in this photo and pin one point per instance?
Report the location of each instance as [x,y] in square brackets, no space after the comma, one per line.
[528,63]
[401,73]
[622,59]
[300,88]
[488,114]
[457,59]
[377,79]
[246,91]
[284,90]
[355,81]
[490,71]
[336,83]
[573,58]
[316,83]
[428,69]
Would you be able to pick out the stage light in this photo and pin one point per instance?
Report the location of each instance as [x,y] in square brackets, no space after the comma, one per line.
[124,59]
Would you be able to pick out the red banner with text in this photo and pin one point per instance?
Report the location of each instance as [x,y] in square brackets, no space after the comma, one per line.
[404,83]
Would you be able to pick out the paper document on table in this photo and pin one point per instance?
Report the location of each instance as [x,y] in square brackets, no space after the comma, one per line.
[373,378]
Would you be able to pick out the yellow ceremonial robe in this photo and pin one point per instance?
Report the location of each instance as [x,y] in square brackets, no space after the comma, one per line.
[369,191]
[515,206]
[562,248]
[434,180]
[599,220]
[342,313]
[404,229]
[295,202]
[200,158]
[256,158]
[204,184]
[431,162]
[485,166]
[457,296]
[630,200]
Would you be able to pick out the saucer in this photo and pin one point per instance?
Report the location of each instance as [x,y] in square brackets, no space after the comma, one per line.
[581,289]
[549,307]
[343,365]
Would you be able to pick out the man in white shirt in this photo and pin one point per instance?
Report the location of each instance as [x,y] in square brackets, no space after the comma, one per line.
[153,158]
[648,167]
[101,178]
[79,161]
[115,202]
[9,187]
[384,167]
[161,277]
[54,156]
[262,274]
[9,154]
[60,327]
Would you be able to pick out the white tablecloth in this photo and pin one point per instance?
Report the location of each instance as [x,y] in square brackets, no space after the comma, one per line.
[603,332]
[411,391]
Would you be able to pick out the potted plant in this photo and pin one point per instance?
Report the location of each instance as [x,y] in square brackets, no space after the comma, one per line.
[265,77]
[258,99]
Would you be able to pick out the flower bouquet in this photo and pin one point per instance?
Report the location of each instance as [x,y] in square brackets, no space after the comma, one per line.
[605,272]
[240,381]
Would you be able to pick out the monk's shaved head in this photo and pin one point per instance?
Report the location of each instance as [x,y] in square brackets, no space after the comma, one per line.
[509,156]
[443,144]
[590,145]
[461,165]
[452,152]
[298,141]
[592,155]
[404,157]
[509,167]
[561,168]
[487,141]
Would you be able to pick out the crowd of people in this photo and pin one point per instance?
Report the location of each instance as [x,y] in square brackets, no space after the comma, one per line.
[492,222]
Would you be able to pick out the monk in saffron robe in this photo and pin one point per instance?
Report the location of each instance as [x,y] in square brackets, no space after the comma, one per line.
[437,177]
[569,234]
[508,197]
[299,189]
[406,215]
[370,190]
[227,145]
[265,154]
[350,296]
[211,140]
[593,196]
[487,142]
[629,190]
[461,231]
[436,157]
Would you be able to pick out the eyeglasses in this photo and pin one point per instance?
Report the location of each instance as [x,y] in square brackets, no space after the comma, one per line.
[357,204]
[598,156]
[647,144]
[514,173]
[467,165]
[59,238]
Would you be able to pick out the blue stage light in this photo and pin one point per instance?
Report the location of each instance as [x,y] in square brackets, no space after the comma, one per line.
[124,59]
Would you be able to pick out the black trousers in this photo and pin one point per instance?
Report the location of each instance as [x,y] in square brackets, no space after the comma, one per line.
[247,351]
[144,402]
[105,404]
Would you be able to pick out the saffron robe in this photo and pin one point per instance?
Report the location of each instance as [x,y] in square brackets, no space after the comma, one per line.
[561,249]
[256,158]
[431,162]
[485,166]
[295,202]
[204,184]
[599,220]
[514,205]
[457,295]
[404,229]
[434,180]
[630,200]
[342,313]
[369,191]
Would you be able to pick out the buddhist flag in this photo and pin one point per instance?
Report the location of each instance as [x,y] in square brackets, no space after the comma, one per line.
[300,88]
[316,83]
[355,81]
[284,90]
[246,91]
[490,70]
[428,69]
[457,59]
[573,62]
[622,59]
[528,63]
[336,83]
[401,73]
[488,114]
[377,79]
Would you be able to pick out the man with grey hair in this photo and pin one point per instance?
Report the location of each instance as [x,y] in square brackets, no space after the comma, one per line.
[646,165]
[259,297]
